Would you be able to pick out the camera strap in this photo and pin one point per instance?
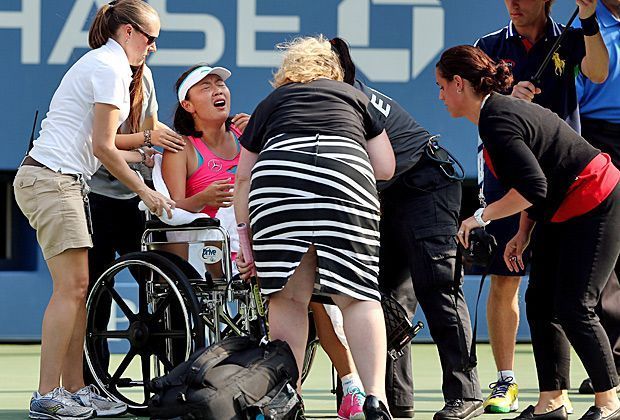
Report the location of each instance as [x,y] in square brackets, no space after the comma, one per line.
[466,359]
[472,354]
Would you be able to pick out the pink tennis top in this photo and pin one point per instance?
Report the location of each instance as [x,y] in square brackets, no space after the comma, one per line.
[210,168]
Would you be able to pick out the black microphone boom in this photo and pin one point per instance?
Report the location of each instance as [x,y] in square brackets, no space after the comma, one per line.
[34,127]
[536,78]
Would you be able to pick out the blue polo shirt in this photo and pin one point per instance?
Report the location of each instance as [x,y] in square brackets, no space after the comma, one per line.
[602,101]
[558,80]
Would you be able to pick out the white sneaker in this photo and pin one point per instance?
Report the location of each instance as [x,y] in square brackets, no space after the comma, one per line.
[89,396]
[57,405]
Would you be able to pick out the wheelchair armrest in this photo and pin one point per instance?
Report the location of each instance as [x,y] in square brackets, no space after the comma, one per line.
[198,223]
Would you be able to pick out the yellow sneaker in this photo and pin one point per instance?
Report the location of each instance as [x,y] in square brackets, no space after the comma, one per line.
[504,398]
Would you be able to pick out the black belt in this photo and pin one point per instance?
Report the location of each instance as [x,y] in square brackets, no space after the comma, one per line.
[601,125]
[29,161]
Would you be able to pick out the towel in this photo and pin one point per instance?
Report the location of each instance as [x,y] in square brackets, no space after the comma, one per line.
[226,216]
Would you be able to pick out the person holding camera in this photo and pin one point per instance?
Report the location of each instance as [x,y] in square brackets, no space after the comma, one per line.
[571,190]
[525,42]
[419,217]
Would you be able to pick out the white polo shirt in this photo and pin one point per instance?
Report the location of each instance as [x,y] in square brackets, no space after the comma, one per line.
[65,142]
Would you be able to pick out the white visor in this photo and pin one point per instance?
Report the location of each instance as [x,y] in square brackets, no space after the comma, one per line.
[197,75]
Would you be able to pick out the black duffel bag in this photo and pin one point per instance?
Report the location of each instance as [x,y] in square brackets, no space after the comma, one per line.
[234,379]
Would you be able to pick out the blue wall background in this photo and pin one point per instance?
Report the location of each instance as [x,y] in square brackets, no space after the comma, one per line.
[395,44]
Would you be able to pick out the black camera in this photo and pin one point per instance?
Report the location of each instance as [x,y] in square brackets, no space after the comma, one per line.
[482,248]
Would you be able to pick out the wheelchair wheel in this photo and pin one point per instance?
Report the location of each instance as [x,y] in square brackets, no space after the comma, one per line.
[144,308]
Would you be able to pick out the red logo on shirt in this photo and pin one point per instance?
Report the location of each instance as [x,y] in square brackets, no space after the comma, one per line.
[214,165]
[509,62]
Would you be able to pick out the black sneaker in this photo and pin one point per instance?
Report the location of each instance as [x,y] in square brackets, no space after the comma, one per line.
[405,412]
[595,413]
[459,410]
[557,414]
[375,409]
[586,387]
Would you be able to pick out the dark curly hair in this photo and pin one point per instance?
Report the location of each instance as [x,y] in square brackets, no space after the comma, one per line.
[473,65]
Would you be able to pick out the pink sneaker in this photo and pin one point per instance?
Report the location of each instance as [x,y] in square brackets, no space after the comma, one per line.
[352,406]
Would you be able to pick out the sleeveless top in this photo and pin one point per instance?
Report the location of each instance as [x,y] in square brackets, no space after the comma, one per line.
[210,168]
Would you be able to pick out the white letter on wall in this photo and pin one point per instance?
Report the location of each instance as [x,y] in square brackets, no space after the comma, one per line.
[189,22]
[72,36]
[29,21]
[248,24]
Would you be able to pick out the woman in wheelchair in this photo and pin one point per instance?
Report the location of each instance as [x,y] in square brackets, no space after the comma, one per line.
[313,153]
[202,175]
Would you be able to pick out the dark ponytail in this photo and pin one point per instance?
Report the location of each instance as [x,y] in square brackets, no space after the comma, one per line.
[136,99]
[341,48]
[105,25]
[114,14]
[473,65]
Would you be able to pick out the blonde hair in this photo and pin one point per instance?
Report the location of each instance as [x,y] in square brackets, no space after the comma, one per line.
[307,59]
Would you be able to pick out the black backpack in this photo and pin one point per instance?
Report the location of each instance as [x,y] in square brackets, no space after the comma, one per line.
[235,379]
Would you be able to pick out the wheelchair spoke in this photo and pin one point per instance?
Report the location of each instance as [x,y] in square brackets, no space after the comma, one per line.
[170,334]
[142,297]
[161,307]
[146,374]
[121,304]
[123,366]
[165,361]
[232,325]
[111,334]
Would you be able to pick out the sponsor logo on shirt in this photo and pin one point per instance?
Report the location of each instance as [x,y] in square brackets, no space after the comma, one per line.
[215,165]
[559,64]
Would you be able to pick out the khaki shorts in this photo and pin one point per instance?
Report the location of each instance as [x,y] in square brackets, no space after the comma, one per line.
[52,202]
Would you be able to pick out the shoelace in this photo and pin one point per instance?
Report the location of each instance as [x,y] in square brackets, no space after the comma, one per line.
[92,389]
[454,403]
[500,388]
[95,394]
[357,394]
[66,397]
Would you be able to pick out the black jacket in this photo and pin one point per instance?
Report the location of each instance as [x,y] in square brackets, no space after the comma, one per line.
[533,151]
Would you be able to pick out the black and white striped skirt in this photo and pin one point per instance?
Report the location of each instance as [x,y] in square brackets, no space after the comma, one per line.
[316,190]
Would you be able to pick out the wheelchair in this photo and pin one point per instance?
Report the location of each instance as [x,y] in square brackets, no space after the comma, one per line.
[166,310]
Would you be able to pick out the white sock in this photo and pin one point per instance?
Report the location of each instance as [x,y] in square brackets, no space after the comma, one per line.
[351,381]
[506,376]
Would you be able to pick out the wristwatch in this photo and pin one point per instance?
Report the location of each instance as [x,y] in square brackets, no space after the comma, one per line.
[478,217]
[142,155]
